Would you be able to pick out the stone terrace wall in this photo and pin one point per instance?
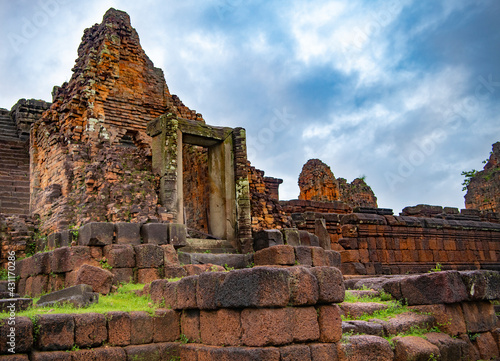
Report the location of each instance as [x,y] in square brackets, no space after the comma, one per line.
[130,251]
[265,313]
[385,244]
[376,244]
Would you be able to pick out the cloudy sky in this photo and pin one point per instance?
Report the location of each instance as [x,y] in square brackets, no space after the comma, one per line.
[405,93]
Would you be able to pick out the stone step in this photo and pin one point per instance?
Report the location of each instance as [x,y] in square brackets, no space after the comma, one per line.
[199,245]
[227,260]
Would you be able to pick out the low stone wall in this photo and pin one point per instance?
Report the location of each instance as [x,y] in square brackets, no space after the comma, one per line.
[302,206]
[50,271]
[267,313]
[375,244]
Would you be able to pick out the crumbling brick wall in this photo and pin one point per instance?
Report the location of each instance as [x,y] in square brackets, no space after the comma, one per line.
[317,183]
[267,212]
[91,157]
[483,191]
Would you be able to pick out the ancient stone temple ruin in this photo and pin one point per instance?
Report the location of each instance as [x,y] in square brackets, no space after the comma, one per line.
[116,181]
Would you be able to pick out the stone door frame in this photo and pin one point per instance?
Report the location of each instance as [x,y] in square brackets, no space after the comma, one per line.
[229,200]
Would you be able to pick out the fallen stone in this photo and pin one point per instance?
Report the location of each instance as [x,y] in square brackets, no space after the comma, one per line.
[100,279]
[357,309]
[482,284]
[81,295]
[405,321]
[433,288]
[451,349]
[414,348]
[15,304]
[363,327]
[366,348]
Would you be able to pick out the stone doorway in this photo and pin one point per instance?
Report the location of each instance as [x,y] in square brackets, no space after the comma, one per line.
[228,200]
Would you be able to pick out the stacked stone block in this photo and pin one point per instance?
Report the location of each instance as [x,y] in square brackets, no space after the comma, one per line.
[126,252]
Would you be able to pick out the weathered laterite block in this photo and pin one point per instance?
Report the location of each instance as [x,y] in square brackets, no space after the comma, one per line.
[295,352]
[331,284]
[148,256]
[482,284]
[207,289]
[141,328]
[147,275]
[221,327]
[434,288]
[96,234]
[190,325]
[51,356]
[119,328]
[166,325]
[330,323]
[266,326]
[90,330]
[23,336]
[127,233]
[186,293]
[323,351]
[275,255]
[267,238]
[56,332]
[120,255]
[305,325]
[154,233]
[255,287]
[143,352]
[177,235]
[291,236]
[479,316]
[303,255]
[304,288]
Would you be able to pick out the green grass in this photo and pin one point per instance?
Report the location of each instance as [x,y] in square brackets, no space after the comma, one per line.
[124,299]
[394,307]
[383,297]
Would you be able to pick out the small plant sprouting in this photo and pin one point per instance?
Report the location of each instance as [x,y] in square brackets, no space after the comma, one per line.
[183,338]
[438,268]
[104,263]
[228,269]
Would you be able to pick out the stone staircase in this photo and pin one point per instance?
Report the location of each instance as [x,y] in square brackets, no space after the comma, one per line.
[14,168]
[212,251]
